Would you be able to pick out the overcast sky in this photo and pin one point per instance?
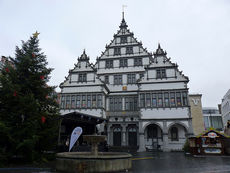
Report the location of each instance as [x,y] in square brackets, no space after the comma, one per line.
[195,34]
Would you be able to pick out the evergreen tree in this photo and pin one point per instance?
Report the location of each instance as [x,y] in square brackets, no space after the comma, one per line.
[28,107]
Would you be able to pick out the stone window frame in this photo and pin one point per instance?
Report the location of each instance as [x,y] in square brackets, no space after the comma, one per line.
[115,103]
[138,62]
[161,73]
[131,78]
[109,63]
[107,79]
[174,131]
[117,79]
[123,62]
[117,51]
[129,50]
[131,103]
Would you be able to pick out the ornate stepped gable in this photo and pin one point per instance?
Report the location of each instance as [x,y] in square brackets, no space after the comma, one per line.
[123,39]
[82,67]
[160,61]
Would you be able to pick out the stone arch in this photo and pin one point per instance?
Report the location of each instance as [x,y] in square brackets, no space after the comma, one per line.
[149,123]
[178,123]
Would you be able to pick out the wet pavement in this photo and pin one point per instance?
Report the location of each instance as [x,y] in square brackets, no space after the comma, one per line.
[173,162]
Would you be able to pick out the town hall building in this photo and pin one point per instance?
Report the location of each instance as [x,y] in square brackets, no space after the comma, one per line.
[137,98]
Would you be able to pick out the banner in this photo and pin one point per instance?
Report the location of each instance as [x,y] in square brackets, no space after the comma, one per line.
[74,136]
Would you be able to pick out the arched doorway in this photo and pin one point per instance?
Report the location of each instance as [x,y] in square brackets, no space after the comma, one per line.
[117,136]
[153,137]
[132,136]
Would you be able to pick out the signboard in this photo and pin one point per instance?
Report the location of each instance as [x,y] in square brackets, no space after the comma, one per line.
[74,136]
[212,135]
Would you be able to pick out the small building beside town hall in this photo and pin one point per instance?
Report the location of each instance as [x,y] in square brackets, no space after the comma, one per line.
[138,99]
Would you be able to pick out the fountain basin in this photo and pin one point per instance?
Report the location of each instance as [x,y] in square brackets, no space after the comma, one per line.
[73,162]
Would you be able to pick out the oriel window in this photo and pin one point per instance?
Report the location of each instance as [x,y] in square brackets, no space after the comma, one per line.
[83,101]
[185,99]
[142,100]
[88,101]
[166,98]
[73,101]
[160,100]
[154,100]
[94,101]
[67,102]
[178,98]
[148,100]
[99,100]
[63,101]
[172,99]
[78,103]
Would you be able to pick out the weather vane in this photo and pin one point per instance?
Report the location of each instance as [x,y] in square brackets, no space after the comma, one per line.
[123,10]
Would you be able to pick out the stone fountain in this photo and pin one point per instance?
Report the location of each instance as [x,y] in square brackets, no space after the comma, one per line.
[93,161]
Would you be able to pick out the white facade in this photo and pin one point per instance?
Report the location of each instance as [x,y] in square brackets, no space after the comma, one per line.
[225,108]
[143,96]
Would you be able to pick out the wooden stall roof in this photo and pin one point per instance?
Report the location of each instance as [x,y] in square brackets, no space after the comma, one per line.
[205,133]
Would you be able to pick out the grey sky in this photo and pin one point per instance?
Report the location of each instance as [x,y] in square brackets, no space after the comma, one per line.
[195,34]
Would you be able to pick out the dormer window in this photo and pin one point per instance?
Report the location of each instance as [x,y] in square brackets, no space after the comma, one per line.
[82,77]
[161,73]
[129,50]
[117,51]
[109,64]
[124,62]
[124,39]
[137,61]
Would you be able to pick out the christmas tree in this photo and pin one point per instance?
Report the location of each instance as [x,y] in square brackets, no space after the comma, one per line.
[28,107]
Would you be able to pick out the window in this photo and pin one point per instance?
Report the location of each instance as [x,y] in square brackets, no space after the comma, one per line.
[154,100]
[178,98]
[107,79]
[172,99]
[123,39]
[117,79]
[174,134]
[88,101]
[73,101]
[185,100]
[161,73]
[82,77]
[109,64]
[67,103]
[160,100]
[94,101]
[115,103]
[166,98]
[131,103]
[99,101]
[129,50]
[206,122]
[124,62]
[62,102]
[83,101]
[137,61]
[142,100]
[148,100]
[131,78]
[117,51]
[78,104]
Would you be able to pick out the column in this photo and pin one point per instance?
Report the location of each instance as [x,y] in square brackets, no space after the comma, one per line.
[165,142]
[141,142]
[123,135]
